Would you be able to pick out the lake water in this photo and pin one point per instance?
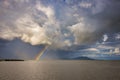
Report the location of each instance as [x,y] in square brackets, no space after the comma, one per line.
[60,70]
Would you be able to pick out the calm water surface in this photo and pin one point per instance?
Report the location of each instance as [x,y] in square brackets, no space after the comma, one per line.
[60,70]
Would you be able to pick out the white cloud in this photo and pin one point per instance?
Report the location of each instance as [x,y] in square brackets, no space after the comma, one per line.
[40,23]
[105,37]
[85,4]
[81,31]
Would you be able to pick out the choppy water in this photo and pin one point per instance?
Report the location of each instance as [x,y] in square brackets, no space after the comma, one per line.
[60,70]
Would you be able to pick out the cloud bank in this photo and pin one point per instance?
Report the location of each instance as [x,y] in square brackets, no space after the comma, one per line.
[58,23]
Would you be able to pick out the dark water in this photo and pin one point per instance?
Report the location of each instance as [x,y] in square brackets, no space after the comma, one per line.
[60,70]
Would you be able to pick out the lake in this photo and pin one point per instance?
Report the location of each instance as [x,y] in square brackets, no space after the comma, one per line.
[60,70]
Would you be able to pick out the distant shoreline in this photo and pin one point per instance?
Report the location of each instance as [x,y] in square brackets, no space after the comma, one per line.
[11,60]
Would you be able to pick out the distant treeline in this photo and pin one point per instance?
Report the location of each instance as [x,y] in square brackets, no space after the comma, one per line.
[11,60]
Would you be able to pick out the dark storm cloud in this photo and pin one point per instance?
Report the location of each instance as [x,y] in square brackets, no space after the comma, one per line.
[18,49]
[109,18]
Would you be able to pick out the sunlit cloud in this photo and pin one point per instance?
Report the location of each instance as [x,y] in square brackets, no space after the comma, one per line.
[58,23]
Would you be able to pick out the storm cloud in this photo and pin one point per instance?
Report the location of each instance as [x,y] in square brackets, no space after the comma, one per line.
[58,22]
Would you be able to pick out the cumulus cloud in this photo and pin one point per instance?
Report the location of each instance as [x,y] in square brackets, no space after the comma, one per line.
[25,27]
[56,23]
[82,32]
[105,37]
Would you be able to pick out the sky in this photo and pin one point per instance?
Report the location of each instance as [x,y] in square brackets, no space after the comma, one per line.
[70,28]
